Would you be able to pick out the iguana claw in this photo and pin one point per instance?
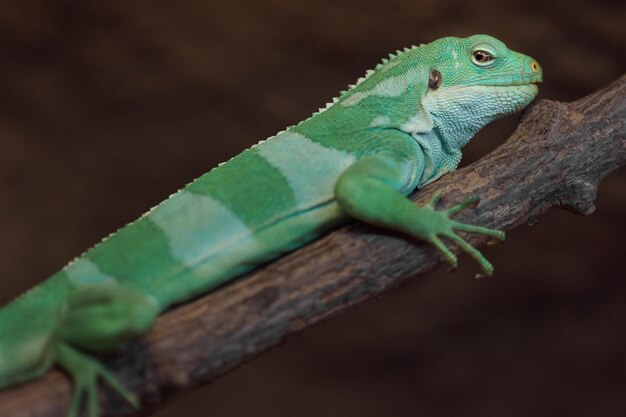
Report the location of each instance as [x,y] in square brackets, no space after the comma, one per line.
[85,372]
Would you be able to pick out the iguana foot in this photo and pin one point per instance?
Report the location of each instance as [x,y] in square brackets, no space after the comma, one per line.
[439,224]
[85,371]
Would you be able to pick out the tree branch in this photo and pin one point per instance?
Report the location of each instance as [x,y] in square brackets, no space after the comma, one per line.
[555,158]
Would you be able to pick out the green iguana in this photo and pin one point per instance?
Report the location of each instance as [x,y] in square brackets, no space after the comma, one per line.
[398,128]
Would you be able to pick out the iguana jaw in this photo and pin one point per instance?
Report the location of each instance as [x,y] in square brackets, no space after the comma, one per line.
[509,81]
[495,86]
[533,76]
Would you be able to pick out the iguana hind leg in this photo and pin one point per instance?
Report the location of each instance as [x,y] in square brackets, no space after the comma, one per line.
[99,318]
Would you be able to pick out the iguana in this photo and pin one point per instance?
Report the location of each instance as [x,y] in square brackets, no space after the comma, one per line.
[398,128]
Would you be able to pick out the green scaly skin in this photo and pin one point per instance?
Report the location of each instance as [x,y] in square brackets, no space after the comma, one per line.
[399,128]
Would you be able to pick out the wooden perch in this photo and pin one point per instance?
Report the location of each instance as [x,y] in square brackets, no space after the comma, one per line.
[555,158]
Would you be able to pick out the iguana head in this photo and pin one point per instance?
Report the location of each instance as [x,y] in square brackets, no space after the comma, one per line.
[473,81]
[454,85]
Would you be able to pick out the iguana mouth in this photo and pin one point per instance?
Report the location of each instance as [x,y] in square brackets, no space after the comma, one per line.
[511,80]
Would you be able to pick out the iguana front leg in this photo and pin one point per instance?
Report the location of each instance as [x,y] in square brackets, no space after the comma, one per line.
[370,191]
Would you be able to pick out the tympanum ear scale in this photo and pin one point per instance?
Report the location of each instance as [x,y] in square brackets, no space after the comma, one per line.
[435,80]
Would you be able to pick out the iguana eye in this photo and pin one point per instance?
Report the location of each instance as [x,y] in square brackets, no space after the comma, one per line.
[481,57]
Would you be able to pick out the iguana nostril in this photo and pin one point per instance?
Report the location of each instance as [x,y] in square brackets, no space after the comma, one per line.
[535,66]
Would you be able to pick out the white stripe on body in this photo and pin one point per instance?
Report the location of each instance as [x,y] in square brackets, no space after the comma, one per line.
[380,121]
[198,226]
[310,169]
[389,87]
[83,271]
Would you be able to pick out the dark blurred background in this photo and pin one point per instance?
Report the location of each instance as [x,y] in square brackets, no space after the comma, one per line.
[108,107]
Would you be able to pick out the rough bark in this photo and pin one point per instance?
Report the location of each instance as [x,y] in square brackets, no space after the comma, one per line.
[555,158]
